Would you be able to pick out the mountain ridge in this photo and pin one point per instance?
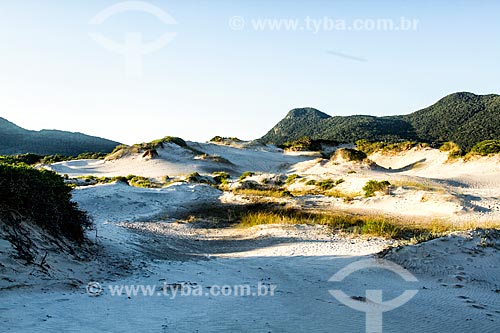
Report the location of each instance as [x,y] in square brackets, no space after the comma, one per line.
[17,140]
[462,117]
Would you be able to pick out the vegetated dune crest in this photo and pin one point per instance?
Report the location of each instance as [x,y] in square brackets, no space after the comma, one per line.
[425,181]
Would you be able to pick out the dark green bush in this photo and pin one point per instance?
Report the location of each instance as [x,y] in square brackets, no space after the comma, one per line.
[221,177]
[42,197]
[21,158]
[246,174]
[454,151]
[326,184]
[291,178]
[351,154]
[139,181]
[303,144]
[193,177]
[487,147]
[373,186]
[371,147]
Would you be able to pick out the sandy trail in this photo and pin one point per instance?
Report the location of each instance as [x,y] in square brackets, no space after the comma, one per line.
[457,285]
[458,281]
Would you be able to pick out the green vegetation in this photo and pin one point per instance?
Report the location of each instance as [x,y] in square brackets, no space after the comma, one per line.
[270,193]
[359,225]
[193,177]
[29,159]
[17,140]
[291,179]
[221,177]
[311,182]
[351,154]
[371,147]
[246,174]
[214,158]
[463,118]
[302,144]
[223,139]
[373,186]
[326,184]
[32,159]
[486,148]
[40,196]
[104,180]
[160,143]
[347,196]
[409,184]
[124,150]
[139,181]
[454,151]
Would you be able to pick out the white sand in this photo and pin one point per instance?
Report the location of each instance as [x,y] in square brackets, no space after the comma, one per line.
[458,282]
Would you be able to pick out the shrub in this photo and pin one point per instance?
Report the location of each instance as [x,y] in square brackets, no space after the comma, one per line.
[311,182]
[91,156]
[303,144]
[221,139]
[214,158]
[168,139]
[291,178]
[42,197]
[139,181]
[339,181]
[246,174]
[326,184]
[193,177]
[373,186]
[487,147]
[21,158]
[351,154]
[371,147]
[454,151]
[221,177]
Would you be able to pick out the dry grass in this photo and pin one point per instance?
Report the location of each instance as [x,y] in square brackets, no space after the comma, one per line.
[379,226]
[272,193]
[414,185]
[347,196]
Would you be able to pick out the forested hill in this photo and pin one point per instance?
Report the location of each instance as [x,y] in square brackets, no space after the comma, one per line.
[17,140]
[463,117]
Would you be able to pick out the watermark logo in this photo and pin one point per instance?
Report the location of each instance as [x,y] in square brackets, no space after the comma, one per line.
[373,304]
[182,289]
[317,25]
[134,47]
[94,288]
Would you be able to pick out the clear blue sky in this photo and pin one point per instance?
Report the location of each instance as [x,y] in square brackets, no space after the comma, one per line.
[212,80]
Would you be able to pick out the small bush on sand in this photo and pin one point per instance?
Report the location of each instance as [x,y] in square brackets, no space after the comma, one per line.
[303,144]
[454,151]
[193,177]
[350,154]
[486,148]
[373,186]
[43,198]
[271,193]
[221,177]
[139,181]
[326,184]
[346,196]
[222,139]
[371,147]
[246,174]
[291,178]
[311,182]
